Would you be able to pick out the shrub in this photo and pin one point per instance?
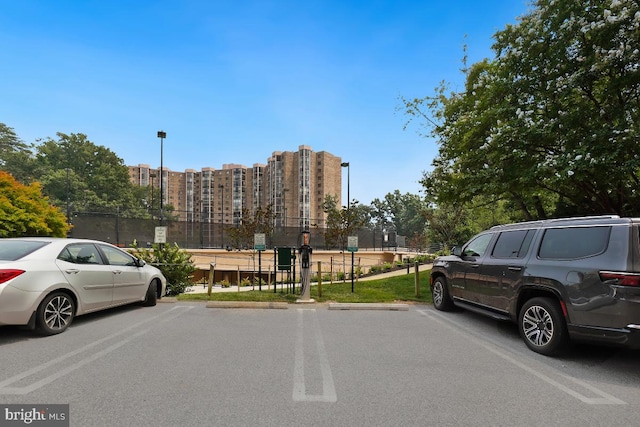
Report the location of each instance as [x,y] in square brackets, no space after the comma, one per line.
[386,266]
[245,282]
[225,283]
[375,269]
[175,264]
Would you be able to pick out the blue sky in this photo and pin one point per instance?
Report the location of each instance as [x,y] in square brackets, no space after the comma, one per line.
[233,81]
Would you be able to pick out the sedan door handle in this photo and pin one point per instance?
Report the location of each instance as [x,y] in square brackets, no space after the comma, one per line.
[514,268]
[475,265]
[117,272]
[72,271]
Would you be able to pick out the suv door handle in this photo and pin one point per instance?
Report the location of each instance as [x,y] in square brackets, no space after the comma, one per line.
[475,265]
[514,268]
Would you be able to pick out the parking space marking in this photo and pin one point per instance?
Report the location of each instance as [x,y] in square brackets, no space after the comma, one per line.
[299,386]
[602,399]
[5,386]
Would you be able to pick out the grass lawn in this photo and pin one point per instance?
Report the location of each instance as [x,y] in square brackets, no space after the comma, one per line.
[393,289]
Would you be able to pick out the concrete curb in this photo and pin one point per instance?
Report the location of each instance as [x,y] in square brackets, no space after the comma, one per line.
[247,304]
[368,306]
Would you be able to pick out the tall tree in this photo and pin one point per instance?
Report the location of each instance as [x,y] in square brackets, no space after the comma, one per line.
[26,212]
[404,211]
[15,155]
[342,222]
[90,177]
[552,123]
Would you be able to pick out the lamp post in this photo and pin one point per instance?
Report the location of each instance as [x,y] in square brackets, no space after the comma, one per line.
[162,135]
[221,187]
[68,200]
[152,176]
[346,165]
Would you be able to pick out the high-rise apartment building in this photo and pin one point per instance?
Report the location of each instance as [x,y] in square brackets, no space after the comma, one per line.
[294,183]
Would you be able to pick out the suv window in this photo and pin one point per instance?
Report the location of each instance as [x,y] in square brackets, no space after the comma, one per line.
[513,244]
[574,242]
[477,246]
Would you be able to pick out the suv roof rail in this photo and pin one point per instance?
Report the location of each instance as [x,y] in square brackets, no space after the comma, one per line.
[541,222]
[518,224]
[575,218]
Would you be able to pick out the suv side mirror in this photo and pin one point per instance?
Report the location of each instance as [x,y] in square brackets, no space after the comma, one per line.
[457,250]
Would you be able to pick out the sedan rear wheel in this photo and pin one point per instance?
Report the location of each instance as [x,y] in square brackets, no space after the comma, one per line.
[55,313]
[542,326]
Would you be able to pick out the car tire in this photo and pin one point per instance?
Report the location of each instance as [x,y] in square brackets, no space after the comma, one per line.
[542,326]
[151,297]
[441,298]
[55,313]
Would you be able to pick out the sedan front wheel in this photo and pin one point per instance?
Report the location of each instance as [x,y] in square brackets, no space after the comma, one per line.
[55,313]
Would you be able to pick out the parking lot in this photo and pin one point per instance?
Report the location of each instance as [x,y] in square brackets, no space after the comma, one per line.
[185,364]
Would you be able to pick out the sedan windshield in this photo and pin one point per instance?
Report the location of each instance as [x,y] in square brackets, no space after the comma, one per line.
[12,250]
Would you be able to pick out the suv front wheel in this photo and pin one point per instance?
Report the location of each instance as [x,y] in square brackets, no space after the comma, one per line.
[542,326]
[441,298]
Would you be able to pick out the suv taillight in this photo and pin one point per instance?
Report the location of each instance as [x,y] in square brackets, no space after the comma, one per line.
[8,274]
[624,279]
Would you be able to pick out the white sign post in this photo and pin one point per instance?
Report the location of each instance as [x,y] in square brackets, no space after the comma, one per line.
[161,235]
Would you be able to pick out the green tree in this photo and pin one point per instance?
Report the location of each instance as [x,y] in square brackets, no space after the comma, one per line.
[89,177]
[551,124]
[15,155]
[342,222]
[260,221]
[404,211]
[26,212]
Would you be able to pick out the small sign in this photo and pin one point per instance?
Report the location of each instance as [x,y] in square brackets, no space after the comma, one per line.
[259,242]
[284,259]
[161,235]
[352,243]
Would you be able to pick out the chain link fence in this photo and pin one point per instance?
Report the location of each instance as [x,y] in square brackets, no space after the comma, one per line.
[112,228]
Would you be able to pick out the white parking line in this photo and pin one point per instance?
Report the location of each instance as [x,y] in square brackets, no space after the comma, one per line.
[299,386]
[603,399]
[5,385]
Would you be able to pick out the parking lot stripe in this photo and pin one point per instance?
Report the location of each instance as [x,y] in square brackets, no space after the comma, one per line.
[602,399]
[5,386]
[299,386]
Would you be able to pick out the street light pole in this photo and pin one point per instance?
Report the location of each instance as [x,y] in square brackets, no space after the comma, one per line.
[162,135]
[220,186]
[346,165]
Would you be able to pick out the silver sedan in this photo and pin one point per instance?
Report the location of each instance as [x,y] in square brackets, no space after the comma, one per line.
[45,282]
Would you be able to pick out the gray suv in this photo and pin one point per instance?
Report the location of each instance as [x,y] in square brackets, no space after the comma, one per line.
[559,280]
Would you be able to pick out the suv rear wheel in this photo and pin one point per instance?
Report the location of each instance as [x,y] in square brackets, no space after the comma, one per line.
[542,326]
